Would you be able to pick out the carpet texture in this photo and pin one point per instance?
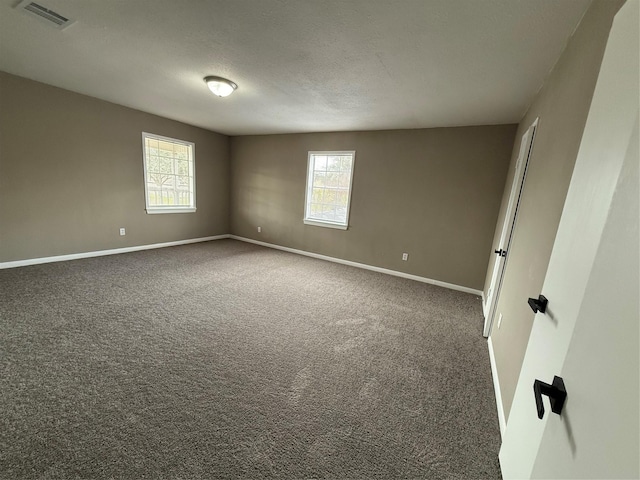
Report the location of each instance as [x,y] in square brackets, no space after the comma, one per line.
[228,360]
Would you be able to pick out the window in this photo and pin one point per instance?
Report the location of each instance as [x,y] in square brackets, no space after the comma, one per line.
[169,174]
[329,178]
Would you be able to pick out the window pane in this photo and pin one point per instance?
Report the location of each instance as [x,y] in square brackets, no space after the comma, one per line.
[165,147]
[153,165]
[345,163]
[183,198]
[329,196]
[183,168]
[183,182]
[332,179]
[153,197]
[330,213]
[166,165]
[179,151]
[343,179]
[333,163]
[319,179]
[342,198]
[320,162]
[316,196]
[152,145]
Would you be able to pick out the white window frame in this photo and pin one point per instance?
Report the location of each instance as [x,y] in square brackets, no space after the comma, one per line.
[308,220]
[153,209]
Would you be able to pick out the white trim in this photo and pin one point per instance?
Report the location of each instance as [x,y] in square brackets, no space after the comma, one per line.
[101,253]
[496,387]
[364,266]
[317,223]
[115,251]
[154,210]
[484,305]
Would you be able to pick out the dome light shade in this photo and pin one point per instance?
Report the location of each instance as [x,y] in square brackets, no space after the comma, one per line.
[220,86]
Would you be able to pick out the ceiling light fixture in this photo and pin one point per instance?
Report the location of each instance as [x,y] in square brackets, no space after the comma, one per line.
[220,86]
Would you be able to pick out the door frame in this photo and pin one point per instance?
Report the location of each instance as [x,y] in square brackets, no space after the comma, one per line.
[508,226]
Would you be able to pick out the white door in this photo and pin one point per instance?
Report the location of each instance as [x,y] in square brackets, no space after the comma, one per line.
[589,333]
[502,249]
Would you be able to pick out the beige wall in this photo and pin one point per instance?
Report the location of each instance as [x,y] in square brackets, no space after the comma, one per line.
[432,193]
[71,175]
[562,106]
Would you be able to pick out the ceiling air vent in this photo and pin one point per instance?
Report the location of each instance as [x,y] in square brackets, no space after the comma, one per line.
[53,19]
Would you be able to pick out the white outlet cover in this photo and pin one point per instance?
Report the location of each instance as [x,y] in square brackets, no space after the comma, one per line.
[122,231]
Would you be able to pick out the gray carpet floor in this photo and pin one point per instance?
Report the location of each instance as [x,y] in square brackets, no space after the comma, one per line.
[228,360]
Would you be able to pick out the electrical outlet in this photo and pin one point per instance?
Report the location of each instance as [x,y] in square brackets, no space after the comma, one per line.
[259,229]
[499,321]
[405,256]
[123,231]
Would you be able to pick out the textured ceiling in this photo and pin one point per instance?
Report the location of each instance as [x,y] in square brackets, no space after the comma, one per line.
[300,65]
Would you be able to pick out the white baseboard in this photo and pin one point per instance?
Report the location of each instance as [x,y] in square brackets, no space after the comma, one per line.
[100,253]
[115,251]
[362,265]
[496,386]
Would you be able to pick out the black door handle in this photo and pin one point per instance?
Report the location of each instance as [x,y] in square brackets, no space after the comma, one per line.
[556,392]
[539,305]
[501,252]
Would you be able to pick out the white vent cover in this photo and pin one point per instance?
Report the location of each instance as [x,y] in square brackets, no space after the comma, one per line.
[51,18]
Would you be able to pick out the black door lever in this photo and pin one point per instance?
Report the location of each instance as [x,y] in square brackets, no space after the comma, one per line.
[556,392]
[501,252]
[539,305]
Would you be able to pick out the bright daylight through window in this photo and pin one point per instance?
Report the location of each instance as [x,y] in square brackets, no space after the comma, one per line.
[169,174]
[329,178]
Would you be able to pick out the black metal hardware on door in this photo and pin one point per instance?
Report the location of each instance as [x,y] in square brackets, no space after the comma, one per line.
[556,392]
[501,252]
[539,304]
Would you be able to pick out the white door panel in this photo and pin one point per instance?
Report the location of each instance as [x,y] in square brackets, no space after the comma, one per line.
[580,290]
[598,436]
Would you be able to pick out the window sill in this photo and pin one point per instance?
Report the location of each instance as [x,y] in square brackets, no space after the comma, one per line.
[170,210]
[317,223]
